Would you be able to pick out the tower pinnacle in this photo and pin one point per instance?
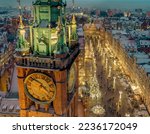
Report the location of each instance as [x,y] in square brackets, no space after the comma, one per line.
[19,6]
[73,4]
[73,19]
[21,26]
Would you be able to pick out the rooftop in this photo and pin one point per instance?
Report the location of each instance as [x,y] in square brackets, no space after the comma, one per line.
[9,106]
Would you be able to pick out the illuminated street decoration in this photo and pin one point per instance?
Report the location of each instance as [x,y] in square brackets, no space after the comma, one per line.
[114,82]
[98,110]
[110,69]
[123,73]
[106,63]
[120,101]
[115,64]
[91,86]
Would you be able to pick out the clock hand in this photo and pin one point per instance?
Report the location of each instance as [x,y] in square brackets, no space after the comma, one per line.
[49,91]
[43,89]
[36,80]
[35,84]
[41,84]
[38,85]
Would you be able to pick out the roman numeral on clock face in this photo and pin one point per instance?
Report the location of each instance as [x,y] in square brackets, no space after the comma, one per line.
[40,88]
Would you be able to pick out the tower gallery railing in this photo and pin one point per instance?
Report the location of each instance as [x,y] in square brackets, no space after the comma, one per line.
[46,62]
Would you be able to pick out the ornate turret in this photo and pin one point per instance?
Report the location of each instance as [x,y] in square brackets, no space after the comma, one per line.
[21,26]
[74,28]
[22,44]
[73,20]
[61,47]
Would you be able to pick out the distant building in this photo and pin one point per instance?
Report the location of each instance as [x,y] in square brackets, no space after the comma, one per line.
[148,14]
[9,107]
[127,14]
[6,63]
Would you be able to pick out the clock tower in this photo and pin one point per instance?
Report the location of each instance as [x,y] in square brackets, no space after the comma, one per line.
[47,63]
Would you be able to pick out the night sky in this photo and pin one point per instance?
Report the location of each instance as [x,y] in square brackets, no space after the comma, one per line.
[103,4]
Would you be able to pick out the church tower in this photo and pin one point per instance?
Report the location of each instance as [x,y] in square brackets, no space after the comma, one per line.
[47,65]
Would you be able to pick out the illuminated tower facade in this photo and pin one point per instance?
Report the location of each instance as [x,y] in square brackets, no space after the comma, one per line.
[47,65]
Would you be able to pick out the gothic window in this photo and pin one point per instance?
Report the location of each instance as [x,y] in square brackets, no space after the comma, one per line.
[42,43]
[55,14]
[44,13]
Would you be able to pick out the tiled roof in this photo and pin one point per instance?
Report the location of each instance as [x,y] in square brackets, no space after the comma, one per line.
[9,107]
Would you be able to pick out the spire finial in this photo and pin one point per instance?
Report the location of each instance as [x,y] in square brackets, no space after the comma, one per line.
[20,22]
[20,15]
[73,4]
[19,4]
[59,21]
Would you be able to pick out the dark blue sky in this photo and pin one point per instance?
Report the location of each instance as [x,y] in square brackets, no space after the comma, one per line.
[122,4]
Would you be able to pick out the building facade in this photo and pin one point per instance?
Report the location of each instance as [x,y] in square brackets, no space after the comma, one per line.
[6,64]
[123,84]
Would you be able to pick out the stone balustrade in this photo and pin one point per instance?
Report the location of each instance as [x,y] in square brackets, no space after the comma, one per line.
[47,62]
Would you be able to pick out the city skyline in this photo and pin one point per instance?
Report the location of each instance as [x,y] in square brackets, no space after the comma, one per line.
[103,4]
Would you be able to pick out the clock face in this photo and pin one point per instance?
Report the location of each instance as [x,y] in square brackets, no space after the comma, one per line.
[40,88]
[72,78]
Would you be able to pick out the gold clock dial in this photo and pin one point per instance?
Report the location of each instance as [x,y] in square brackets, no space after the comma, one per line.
[40,88]
[72,78]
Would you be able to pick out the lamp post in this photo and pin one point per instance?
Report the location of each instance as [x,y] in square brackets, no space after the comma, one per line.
[114,82]
[109,73]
